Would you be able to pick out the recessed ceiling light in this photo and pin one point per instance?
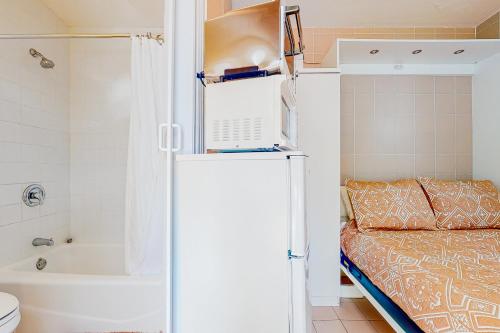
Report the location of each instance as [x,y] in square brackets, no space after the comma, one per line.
[417,52]
[459,51]
[374,51]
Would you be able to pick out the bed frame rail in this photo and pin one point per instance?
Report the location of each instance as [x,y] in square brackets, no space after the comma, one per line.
[391,312]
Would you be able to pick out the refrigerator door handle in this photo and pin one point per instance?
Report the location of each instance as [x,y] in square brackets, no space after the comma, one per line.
[292,256]
[305,256]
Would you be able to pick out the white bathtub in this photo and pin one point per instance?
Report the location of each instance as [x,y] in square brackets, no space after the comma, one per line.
[83,288]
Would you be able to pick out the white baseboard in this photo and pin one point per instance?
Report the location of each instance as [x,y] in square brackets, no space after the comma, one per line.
[325,301]
[350,291]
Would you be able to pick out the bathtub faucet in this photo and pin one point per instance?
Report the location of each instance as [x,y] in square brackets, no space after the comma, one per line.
[42,241]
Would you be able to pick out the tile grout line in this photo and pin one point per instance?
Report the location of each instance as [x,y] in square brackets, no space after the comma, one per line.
[455,125]
[435,125]
[370,323]
[354,127]
[414,127]
[374,101]
[342,323]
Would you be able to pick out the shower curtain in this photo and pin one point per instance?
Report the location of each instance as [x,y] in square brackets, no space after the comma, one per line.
[146,190]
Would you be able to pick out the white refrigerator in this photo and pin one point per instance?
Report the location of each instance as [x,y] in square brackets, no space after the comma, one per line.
[240,244]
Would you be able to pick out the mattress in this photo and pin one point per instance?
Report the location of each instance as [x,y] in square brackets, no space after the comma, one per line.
[446,281]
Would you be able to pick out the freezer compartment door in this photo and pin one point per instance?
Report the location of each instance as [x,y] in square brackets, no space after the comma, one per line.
[299,239]
[300,305]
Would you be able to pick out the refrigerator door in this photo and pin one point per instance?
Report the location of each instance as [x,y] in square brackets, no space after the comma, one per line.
[300,306]
[231,269]
[299,242]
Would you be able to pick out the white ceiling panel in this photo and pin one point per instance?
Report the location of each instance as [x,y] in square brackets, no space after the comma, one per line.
[315,13]
[109,13]
[357,51]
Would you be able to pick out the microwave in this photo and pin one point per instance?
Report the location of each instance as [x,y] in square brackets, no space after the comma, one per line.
[256,114]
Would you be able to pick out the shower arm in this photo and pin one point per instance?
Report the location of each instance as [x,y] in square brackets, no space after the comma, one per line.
[35,53]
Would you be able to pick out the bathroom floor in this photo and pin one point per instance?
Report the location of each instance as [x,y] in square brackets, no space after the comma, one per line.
[352,316]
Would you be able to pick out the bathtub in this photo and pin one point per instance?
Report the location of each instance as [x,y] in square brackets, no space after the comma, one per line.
[83,288]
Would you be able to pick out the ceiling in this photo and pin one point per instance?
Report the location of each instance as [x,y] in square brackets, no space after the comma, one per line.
[111,14]
[337,13]
[315,13]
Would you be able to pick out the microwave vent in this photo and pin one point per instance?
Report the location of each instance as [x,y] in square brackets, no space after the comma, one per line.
[237,130]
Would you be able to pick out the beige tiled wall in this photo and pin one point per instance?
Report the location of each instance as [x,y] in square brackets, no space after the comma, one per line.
[406,126]
[217,8]
[489,28]
[319,41]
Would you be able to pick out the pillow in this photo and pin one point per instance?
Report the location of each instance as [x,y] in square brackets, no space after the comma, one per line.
[346,204]
[399,205]
[472,204]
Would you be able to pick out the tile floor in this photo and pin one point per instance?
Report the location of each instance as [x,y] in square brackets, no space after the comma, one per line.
[352,316]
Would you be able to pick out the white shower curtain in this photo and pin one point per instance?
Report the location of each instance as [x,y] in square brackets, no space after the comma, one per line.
[146,190]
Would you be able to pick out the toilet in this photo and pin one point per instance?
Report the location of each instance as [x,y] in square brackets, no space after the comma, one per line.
[9,313]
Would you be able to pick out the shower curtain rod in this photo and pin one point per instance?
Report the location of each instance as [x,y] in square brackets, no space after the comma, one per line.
[158,37]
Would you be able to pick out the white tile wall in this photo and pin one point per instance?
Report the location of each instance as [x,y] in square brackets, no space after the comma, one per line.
[34,130]
[100,108]
[66,128]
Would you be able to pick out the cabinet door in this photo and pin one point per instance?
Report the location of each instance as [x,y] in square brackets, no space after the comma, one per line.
[318,106]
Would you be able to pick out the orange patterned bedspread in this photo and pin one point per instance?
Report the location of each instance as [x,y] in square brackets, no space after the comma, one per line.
[446,281]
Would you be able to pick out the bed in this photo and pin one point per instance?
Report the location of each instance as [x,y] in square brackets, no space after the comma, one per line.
[443,280]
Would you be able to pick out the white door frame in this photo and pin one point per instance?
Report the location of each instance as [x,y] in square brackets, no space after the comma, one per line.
[169,33]
[188,92]
[201,14]
[184,26]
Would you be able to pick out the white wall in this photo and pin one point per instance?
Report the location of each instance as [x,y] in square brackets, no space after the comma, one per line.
[100,110]
[185,82]
[318,105]
[486,120]
[237,4]
[34,130]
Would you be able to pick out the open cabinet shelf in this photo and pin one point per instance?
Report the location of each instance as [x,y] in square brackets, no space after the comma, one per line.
[435,57]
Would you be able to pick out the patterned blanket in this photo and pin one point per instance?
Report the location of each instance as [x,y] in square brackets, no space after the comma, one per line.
[446,281]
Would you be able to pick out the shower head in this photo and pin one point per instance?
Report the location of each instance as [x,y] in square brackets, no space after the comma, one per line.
[45,63]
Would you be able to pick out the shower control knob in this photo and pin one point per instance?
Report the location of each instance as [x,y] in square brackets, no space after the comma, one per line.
[34,195]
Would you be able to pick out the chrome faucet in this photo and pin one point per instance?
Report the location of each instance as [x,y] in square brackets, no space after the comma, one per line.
[34,195]
[42,241]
